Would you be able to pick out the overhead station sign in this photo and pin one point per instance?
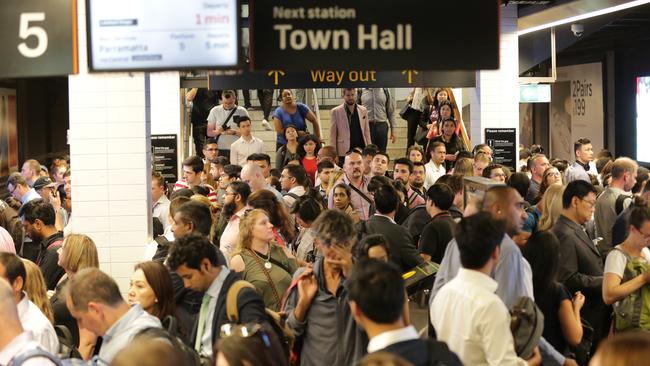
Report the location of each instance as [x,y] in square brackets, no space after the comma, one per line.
[383,35]
[38,38]
[163,34]
[328,78]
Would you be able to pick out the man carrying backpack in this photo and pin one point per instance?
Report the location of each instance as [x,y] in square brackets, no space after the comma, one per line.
[195,260]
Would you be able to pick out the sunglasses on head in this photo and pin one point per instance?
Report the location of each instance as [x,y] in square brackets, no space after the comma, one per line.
[245,331]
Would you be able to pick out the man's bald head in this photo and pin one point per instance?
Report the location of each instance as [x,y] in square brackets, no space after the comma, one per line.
[253,175]
[505,203]
[496,195]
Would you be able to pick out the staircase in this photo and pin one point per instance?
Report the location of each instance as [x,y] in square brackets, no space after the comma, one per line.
[396,150]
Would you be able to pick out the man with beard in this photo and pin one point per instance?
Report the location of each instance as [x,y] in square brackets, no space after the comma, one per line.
[403,171]
[353,177]
[233,209]
[210,150]
[349,128]
[416,182]
[38,219]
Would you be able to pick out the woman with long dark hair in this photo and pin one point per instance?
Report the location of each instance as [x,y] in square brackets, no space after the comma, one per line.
[562,325]
[151,287]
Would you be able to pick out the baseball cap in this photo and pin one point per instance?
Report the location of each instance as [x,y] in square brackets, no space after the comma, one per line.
[43,182]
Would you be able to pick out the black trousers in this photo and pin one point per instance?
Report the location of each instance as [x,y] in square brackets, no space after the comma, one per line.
[266,101]
[412,122]
[199,134]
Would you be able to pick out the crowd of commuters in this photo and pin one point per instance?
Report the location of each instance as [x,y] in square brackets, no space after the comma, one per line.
[308,262]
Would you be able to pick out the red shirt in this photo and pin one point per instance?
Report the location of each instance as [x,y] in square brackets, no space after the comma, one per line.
[311,167]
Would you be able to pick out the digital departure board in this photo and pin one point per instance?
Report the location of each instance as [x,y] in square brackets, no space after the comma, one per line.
[162,34]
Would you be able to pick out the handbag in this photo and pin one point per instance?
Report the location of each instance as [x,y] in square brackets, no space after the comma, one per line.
[526,325]
[582,352]
[405,110]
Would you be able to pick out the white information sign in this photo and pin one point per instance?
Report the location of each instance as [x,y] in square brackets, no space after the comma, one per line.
[162,34]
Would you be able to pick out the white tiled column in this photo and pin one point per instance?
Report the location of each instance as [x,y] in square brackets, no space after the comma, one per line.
[495,103]
[111,162]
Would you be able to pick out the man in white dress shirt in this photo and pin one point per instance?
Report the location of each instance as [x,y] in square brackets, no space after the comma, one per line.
[246,145]
[435,168]
[466,313]
[15,342]
[31,317]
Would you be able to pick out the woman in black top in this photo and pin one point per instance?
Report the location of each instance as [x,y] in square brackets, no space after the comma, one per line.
[453,143]
[288,151]
[562,325]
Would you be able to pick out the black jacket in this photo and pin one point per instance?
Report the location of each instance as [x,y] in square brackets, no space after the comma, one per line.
[436,235]
[401,245]
[581,269]
[421,352]
[249,305]
[48,260]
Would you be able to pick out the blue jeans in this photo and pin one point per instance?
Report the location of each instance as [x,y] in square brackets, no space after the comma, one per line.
[379,134]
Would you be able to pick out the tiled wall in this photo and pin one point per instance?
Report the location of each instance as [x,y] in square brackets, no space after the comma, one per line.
[110,159]
[495,101]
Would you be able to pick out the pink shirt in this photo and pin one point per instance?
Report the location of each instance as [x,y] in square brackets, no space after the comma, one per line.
[212,195]
[230,234]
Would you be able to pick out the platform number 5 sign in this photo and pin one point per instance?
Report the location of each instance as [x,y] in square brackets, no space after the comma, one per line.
[27,30]
[38,38]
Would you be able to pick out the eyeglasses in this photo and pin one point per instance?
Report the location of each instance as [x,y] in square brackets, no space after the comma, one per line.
[12,190]
[589,203]
[246,331]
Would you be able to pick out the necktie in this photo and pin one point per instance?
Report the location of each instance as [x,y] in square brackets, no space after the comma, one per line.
[203,315]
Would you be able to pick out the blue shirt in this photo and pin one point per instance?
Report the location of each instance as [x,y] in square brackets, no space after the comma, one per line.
[29,196]
[121,333]
[297,119]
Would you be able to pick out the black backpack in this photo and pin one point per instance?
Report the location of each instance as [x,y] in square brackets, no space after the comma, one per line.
[620,203]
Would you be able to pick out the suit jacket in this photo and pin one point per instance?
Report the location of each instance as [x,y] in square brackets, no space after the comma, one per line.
[581,269]
[401,246]
[249,304]
[421,352]
[340,128]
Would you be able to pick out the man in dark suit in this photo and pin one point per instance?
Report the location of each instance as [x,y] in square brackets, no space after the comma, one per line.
[195,260]
[378,301]
[581,266]
[401,246]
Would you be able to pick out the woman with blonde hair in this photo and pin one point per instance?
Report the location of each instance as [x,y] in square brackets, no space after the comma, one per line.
[550,206]
[36,290]
[77,252]
[464,167]
[268,266]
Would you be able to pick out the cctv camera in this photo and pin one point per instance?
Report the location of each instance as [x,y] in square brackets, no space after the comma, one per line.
[577,29]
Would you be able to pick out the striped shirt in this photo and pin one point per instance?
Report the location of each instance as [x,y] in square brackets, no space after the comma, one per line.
[212,195]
